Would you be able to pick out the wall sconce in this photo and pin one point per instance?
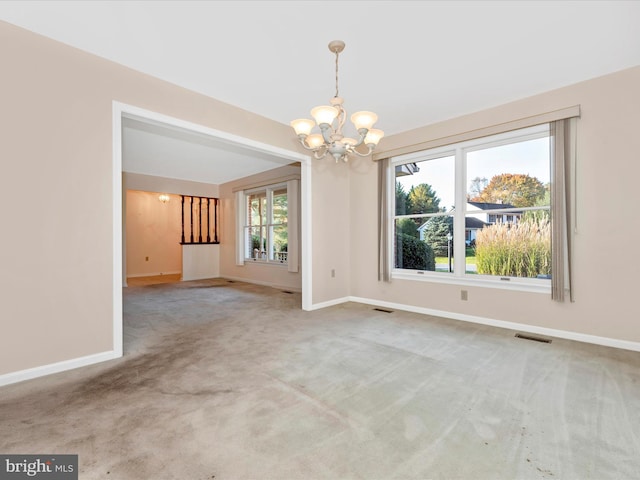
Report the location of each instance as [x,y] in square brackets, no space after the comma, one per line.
[164,198]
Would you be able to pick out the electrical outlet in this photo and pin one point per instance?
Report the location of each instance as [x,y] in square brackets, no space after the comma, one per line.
[464,295]
[333,273]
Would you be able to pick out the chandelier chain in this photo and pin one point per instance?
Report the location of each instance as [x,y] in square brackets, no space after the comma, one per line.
[337,53]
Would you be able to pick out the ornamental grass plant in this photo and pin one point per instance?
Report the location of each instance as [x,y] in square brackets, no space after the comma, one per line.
[515,250]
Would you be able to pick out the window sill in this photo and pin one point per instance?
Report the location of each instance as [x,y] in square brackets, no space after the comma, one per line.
[523,285]
[251,261]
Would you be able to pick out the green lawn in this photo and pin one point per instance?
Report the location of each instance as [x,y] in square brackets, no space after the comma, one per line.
[471,258]
[446,260]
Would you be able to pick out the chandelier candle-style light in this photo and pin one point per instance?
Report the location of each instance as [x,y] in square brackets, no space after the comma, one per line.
[331,119]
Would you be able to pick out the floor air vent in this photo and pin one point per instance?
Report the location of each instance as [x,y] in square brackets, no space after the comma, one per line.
[533,338]
[383,310]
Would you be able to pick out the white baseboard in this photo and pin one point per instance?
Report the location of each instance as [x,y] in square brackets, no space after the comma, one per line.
[521,327]
[262,283]
[331,303]
[30,373]
[152,274]
[198,277]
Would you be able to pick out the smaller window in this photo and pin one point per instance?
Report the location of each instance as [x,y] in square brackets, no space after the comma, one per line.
[266,225]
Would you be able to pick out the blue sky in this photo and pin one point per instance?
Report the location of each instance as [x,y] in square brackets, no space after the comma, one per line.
[530,157]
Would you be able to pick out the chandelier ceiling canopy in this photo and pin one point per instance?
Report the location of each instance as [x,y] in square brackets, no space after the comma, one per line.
[330,119]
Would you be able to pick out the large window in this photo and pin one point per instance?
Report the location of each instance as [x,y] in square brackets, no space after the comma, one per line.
[475,211]
[266,224]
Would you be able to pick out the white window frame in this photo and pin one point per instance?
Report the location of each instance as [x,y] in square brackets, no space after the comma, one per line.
[245,233]
[459,276]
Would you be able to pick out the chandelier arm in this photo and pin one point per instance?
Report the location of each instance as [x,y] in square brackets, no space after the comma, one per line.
[319,156]
[362,154]
[318,152]
[306,147]
[363,134]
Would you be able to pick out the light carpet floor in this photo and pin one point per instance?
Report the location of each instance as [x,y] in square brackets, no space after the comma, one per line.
[233,381]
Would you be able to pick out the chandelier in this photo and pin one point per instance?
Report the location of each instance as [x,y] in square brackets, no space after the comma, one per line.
[331,119]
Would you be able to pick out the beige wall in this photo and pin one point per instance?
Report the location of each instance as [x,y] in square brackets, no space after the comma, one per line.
[153,233]
[331,230]
[273,275]
[605,273]
[56,151]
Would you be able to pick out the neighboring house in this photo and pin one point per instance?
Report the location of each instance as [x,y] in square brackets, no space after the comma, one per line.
[479,211]
[422,229]
[478,217]
[471,226]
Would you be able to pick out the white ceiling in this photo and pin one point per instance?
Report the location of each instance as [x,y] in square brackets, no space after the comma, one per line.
[412,62]
[152,148]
